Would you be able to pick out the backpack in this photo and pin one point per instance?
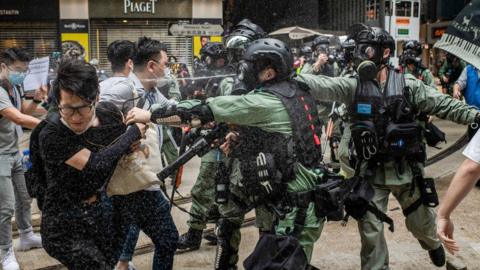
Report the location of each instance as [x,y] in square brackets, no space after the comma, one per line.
[35,177]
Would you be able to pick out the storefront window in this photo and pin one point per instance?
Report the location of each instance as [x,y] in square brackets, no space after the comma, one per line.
[403,9]
[416,9]
[372,9]
[388,8]
[39,38]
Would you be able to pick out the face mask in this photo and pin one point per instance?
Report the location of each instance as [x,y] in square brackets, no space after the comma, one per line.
[160,82]
[16,77]
[90,124]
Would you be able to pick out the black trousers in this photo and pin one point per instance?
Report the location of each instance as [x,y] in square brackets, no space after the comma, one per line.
[86,237]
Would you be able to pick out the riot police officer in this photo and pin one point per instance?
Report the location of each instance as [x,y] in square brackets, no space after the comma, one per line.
[388,143]
[324,61]
[214,60]
[411,62]
[449,72]
[279,152]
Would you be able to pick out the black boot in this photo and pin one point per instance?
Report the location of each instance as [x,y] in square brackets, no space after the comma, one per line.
[437,256]
[224,258]
[211,237]
[190,240]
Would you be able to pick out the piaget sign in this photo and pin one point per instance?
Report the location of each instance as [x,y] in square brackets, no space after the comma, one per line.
[131,6]
[139,9]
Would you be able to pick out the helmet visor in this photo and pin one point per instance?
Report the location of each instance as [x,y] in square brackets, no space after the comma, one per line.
[237,42]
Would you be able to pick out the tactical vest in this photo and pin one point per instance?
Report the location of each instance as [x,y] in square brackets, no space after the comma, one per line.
[303,146]
[384,125]
[306,126]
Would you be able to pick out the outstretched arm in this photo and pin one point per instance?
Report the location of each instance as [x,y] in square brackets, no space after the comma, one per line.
[430,101]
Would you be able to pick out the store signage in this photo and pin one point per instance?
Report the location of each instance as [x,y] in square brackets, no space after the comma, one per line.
[9,12]
[139,9]
[73,26]
[195,30]
[131,6]
[403,32]
[29,10]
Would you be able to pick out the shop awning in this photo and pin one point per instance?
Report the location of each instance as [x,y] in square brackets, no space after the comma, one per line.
[297,32]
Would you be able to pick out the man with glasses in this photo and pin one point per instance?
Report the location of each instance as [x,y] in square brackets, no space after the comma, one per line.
[14,114]
[148,209]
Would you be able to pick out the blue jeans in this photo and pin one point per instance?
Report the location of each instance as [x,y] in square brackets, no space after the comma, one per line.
[149,211]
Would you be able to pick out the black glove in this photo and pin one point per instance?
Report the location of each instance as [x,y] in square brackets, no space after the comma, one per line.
[174,115]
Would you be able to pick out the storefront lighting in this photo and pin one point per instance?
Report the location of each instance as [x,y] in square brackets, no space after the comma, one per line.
[124,21]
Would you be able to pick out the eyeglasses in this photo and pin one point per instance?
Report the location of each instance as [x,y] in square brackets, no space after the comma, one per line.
[81,110]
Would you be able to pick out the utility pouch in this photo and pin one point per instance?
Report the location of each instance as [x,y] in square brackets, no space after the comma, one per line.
[433,135]
[356,204]
[365,139]
[261,177]
[403,139]
[222,184]
[428,191]
[329,198]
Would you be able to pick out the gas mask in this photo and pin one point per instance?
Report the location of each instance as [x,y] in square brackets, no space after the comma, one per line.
[321,49]
[247,74]
[367,59]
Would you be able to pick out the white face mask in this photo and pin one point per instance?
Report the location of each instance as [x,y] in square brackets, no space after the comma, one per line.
[90,124]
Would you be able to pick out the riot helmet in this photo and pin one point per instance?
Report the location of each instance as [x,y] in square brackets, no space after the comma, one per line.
[307,53]
[371,42]
[321,44]
[348,46]
[412,50]
[212,54]
[263,53]
[244,33]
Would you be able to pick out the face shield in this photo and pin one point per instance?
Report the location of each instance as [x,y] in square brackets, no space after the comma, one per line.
[236,42]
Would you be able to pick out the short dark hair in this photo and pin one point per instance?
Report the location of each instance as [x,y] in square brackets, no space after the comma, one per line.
[10,55]
[147,49]
[119,52]
[77,77]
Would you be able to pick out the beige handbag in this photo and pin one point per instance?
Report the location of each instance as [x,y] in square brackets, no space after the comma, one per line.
[138,170]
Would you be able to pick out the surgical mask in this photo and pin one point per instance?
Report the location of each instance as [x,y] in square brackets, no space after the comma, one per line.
[16,77]
[90,124]
[160,82]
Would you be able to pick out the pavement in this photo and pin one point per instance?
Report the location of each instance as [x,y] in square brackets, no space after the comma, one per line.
[338,247]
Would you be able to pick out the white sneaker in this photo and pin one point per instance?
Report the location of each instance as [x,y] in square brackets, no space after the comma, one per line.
[29,240]
[9,262]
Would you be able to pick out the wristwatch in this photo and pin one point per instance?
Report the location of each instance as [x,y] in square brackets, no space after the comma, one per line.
[36,101]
